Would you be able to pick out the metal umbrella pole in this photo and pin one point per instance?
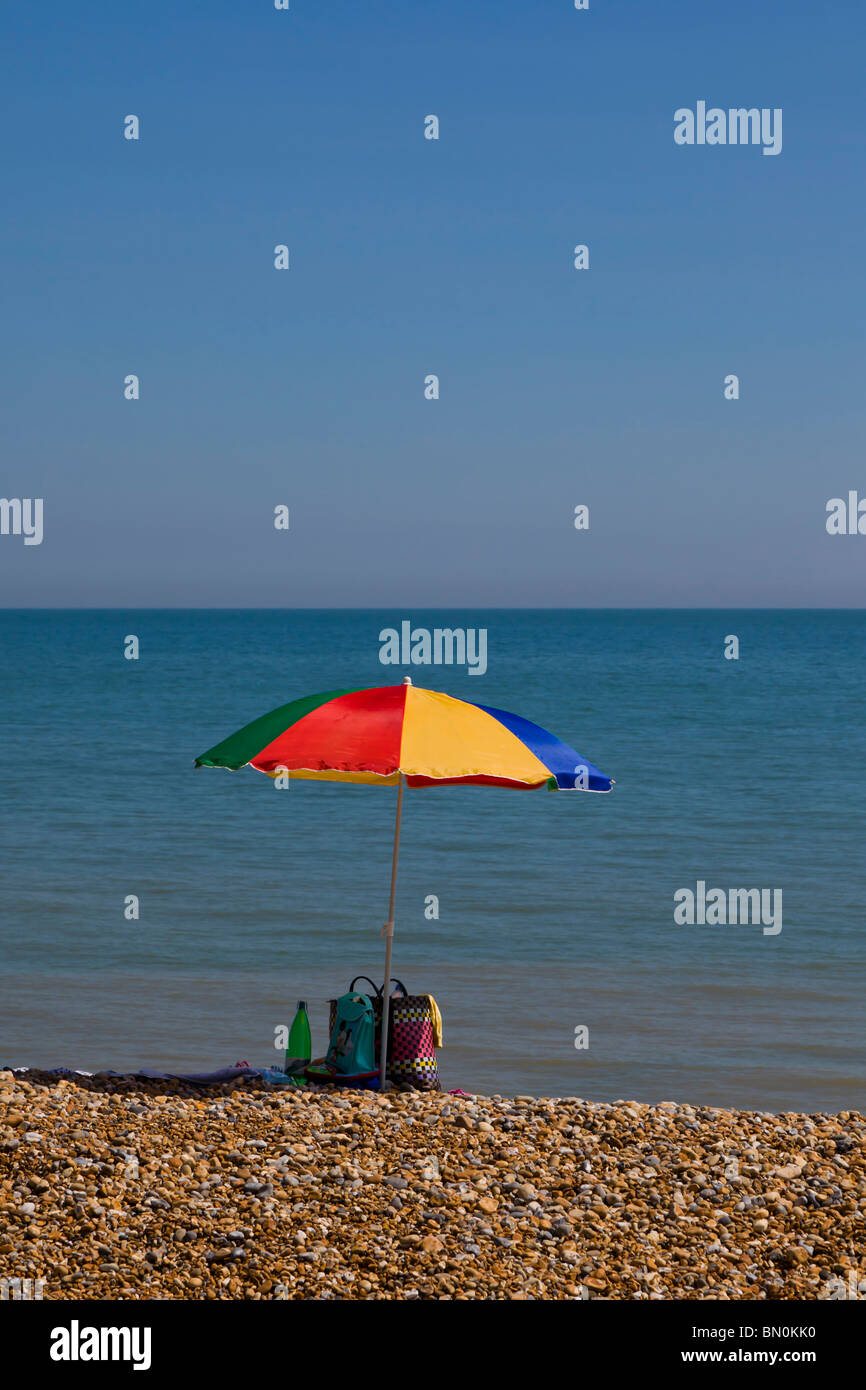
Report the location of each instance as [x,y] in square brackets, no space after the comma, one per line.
[388,933]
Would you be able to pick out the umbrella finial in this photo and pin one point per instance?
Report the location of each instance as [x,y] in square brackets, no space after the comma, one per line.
[407,680]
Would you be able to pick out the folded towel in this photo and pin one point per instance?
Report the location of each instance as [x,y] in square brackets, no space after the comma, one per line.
[437,1022]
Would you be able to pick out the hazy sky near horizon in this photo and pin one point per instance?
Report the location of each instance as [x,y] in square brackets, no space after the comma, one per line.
[410,257]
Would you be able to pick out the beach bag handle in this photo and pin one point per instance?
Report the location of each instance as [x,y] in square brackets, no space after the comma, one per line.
[392,981]
[376,988]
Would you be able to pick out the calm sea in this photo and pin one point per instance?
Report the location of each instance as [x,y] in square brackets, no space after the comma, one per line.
[556,912]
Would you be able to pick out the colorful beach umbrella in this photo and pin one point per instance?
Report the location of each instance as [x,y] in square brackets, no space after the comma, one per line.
[404,736]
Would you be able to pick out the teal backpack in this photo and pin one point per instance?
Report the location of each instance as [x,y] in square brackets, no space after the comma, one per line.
[351,1051]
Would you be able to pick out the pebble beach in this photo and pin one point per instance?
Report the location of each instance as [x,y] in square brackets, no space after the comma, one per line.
[119,1188]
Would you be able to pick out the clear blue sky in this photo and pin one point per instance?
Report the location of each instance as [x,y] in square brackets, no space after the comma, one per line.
[411,257]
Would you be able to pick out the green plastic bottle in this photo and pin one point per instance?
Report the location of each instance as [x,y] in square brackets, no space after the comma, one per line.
[300,1043]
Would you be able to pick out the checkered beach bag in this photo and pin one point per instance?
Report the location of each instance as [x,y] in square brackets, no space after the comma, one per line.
[411,1053]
